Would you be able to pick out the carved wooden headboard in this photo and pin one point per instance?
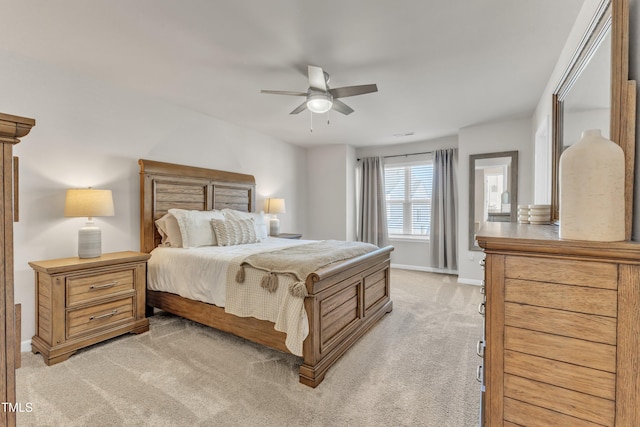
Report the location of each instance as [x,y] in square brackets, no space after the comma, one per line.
[165,185]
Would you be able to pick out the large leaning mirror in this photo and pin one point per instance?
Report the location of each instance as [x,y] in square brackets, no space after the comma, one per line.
[493,190]
[594,93]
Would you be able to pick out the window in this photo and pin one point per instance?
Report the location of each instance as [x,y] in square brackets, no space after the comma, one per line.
[408,197]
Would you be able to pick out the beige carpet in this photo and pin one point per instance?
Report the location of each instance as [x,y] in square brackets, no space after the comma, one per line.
[416,367]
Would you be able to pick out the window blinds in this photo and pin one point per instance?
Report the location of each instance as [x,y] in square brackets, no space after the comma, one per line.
[408,195]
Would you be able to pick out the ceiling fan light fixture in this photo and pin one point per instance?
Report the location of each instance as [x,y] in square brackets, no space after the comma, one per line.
[319,102]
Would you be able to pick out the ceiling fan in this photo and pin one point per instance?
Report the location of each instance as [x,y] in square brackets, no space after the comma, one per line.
[320,98]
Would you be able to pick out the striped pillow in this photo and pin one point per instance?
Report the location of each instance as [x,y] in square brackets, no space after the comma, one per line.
[230,232]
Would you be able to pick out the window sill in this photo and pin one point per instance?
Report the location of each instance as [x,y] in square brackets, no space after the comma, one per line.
[407,238]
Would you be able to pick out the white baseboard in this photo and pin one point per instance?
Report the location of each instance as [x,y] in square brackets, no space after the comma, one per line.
[470,281]
[420,268]
[25,346]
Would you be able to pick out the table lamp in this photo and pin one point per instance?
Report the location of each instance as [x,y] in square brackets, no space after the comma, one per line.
[274,207]
[89,202]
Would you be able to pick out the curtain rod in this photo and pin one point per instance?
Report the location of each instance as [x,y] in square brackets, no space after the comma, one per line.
[404,155]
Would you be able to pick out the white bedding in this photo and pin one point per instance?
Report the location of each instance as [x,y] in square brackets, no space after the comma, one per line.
[201,274]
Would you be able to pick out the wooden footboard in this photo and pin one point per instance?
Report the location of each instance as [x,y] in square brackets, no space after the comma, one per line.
[345,300]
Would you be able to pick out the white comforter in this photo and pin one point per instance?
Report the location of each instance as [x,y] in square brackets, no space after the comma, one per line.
[201,274]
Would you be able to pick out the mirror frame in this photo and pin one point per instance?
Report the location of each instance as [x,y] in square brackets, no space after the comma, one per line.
[611,15]
[513,179]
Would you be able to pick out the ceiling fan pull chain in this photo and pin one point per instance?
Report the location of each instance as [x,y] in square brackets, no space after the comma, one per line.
[329,117]
[310,121]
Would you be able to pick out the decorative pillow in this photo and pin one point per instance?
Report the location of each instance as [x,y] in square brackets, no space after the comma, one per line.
[259,219]
[230,232]
[195,228]
[169,231]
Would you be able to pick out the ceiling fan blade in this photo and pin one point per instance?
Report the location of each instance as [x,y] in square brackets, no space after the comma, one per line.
[300,108]
[284,92]
[343,92]
[341,107]
[316,78]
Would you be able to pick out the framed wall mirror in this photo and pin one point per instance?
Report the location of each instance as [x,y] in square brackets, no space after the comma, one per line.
[594,93]
[493,190]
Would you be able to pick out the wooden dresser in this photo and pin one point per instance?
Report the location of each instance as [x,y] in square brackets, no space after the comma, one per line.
[562,329]
[80,302]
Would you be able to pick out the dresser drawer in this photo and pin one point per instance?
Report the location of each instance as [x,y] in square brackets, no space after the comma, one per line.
[568,376]
[568,272]
[571,324]
[90,287]
[85,320]
[579,299]
[563,349]
[594,410]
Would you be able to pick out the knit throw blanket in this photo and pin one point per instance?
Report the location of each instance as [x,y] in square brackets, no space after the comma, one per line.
[300,261]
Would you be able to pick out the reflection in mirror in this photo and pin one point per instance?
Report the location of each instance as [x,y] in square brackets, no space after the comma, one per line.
[582,99]
[587,104]
[493,190]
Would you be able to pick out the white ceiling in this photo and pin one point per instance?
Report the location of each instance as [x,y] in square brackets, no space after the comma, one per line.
[439,65]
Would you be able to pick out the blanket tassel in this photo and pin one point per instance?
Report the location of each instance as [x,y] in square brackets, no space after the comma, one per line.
[299,289]
[270,282]
[240,275]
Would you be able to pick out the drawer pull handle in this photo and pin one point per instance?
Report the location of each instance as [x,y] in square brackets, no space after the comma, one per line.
[480,348]
[113,313]
[482,291]
[482,263]
[105,286]
[479,374]
[481,308]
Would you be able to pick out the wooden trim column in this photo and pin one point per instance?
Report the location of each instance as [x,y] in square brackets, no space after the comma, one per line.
[11,129]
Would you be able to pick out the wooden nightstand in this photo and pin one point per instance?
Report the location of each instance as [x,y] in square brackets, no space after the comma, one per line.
[289,236]
[80,302]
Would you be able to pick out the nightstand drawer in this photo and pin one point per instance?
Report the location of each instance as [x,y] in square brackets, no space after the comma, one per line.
[81,289]
[89,319]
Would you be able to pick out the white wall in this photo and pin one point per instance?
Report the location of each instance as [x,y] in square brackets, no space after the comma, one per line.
[410,254]
[351,194]
[331,197]
[89,133]
[576,123]
[511,135]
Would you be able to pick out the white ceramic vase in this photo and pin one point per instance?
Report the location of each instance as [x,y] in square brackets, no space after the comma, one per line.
[592,190]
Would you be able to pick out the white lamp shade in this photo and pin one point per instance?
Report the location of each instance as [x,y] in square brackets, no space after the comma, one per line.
[275,206]
[88,202]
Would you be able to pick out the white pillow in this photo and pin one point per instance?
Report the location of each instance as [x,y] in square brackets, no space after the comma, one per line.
[260,222]
[231,231]
[195,227]
[169,231]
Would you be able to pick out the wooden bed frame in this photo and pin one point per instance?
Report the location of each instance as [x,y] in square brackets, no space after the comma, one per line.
[345,299]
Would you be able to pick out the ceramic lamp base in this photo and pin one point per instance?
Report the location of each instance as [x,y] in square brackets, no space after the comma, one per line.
[89,242]
[274,226]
